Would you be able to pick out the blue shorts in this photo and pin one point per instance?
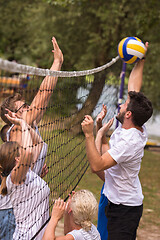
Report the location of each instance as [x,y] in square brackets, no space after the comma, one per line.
[7,224]
[102,219]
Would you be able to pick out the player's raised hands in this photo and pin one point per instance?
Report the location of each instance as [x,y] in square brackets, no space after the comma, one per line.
[87,125]
[103,130]
[58,55]
[58,209]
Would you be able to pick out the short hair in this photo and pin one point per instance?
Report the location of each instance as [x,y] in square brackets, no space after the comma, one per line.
[9,103]
[3,132]
[140,106]
[84,208]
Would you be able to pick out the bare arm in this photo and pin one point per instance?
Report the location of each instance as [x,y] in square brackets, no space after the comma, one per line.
[37,142]
[23,162]
[39,103]
[57,213]
[100,142]
[102,147]
[97,162]
[136,76]
[68,218]
[99,120]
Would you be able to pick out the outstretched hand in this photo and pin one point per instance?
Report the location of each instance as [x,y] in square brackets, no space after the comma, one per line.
[68,208]
[87,125]
[101,115]
[103,130]
[58,209]
[58,55]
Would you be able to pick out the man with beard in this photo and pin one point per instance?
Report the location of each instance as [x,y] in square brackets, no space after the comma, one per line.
[121,163]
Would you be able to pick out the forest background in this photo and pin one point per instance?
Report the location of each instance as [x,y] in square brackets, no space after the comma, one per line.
[88,32]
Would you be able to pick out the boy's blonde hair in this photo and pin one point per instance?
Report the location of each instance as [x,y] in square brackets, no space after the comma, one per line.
[84,208]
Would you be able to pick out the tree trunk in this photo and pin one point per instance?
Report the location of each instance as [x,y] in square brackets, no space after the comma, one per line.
[90,103]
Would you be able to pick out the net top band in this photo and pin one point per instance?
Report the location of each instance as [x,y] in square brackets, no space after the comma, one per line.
[20,68]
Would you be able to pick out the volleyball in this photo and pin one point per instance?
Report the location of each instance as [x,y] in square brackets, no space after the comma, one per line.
[131,49]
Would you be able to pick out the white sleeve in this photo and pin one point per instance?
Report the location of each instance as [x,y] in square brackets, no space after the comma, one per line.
[75,235]
[123,151]
[40,160]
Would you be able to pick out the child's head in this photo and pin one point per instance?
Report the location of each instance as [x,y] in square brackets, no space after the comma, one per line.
[84,208]
[4,132]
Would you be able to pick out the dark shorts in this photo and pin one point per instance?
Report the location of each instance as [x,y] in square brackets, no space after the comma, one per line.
[123,221]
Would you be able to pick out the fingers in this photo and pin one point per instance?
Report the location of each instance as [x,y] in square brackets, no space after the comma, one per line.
[107,126]
[104,108]
[55,44]
[57,51]
[147,45]
[110,122]
[102,114]
[59,203]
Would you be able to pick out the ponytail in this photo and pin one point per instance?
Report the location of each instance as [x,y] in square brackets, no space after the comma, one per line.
[86,225]
[3,187]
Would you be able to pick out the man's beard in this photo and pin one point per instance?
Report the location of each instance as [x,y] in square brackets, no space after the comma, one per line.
[120,117]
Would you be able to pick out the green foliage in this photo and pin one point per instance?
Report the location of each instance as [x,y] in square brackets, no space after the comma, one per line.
[88,33]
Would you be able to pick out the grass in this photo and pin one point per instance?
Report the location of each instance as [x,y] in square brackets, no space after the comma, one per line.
[149,176]
[150,180]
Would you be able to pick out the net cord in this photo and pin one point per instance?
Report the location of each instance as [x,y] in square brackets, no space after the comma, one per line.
[20,68]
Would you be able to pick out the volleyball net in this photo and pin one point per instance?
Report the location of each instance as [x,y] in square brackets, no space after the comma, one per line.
[76,94]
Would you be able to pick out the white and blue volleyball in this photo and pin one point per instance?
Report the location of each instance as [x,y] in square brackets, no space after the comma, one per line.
[131,49]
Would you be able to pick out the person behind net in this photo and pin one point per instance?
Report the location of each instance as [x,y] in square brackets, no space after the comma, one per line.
[32,115]
[121,163]
[103,202]
[79,213]
[7,219]
[29,193]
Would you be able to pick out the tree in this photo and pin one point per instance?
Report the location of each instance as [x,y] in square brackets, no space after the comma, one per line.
[88,31]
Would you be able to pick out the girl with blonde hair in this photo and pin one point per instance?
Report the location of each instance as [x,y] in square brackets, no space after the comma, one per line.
[79,213]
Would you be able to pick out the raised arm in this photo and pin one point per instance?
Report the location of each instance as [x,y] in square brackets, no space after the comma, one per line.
[37,147]
[39,103]
[57,213]
[101,142]
[23,162]
[136,75]
[97,162]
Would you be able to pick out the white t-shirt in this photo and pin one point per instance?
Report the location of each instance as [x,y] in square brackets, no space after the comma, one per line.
[41,158]
[122,185]
[81,234]
[30,202]
[5,202]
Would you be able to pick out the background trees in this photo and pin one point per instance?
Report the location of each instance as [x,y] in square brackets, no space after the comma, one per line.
[88,31]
